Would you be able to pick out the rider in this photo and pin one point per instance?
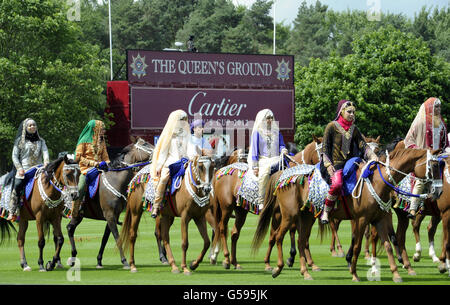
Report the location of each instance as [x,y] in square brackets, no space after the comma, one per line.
[29,150]
[342,141]
[171,147]
[196,142]
[90,152]
[427,131]
[266,143]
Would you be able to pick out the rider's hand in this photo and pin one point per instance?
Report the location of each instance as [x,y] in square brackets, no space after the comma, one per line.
[330,170]
[284,151]
[256,171]
[21,172]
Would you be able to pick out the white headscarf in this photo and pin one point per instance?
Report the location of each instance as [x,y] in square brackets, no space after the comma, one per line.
[260,126]
[174,125]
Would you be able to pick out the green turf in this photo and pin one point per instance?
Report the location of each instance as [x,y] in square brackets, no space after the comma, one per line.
[151,271]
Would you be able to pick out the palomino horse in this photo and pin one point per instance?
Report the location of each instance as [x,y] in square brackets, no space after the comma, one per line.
[110,199]
[191,201]
[46,206]
[370,206]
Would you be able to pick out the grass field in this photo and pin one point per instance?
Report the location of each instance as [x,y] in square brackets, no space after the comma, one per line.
[334,270]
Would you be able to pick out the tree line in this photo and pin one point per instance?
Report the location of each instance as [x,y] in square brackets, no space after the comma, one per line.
[54,68]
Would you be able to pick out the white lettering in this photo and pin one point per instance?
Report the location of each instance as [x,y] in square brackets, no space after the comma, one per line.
[208,108]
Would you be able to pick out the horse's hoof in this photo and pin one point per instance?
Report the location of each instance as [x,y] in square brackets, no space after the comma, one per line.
[315,268]
[27,268]
[193,266]
[226,265]
[213,261]
[290,262]
[42,269]
[341,254]
[164,261]
[99,267]
[71,261]
[442,268]
[126,267]
[276,272]
[49,266]
[59,266]
[133,269]
[175,271]
[416,257]
[356,279]
[268,269]
[412,272]
[397,279]
[238,267]
[308,277]
[186,272]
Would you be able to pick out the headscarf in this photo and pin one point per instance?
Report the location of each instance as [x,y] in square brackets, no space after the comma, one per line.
[173,126]
[420,133]
[261,127]
[339,118]
[91,134]
[24,135]
[196,123]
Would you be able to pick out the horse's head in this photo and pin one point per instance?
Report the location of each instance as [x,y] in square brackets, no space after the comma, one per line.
[201,172]
[138,151]
[67,175]
[374,143]
[311,153]
[427,168]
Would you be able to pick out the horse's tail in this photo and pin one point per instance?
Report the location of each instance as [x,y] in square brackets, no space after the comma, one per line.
[5,230]
[266,214]
[124,238]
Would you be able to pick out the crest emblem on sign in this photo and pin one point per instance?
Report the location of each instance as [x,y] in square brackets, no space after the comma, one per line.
[138,66]
[283,70]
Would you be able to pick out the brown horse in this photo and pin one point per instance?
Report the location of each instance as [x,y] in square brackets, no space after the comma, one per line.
[46,205]
[186,203]
[309,155]
[110,199]
[224,203]
[238,155]
[363,209]
[443,204]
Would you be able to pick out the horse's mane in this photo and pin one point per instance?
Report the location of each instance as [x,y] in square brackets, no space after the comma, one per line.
[117,161]
[389,147]
[292,148]
[51,168]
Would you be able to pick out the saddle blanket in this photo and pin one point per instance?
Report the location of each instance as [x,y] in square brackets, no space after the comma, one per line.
[248,194]
[92,181]
[6,186]
[318,187]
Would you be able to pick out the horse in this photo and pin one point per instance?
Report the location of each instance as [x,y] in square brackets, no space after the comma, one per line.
[224,203]
[309,155]
[110,199]
[186,203]
[370,206]
[443,204]
[45,205]
[238,155]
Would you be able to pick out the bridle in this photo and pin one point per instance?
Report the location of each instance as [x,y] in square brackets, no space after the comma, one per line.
[194,178]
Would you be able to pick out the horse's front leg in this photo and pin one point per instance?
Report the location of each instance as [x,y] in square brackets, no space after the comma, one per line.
[201,225]
[383,232]
[41,242]
[184,225]
[402,226]
[71,227]
[358,228]
[166,222]
[241,216]
[23,226]
[58,239]
[416,229]
[432,226]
